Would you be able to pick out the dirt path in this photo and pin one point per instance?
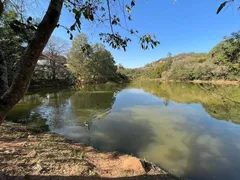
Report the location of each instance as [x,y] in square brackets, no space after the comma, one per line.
[24,155]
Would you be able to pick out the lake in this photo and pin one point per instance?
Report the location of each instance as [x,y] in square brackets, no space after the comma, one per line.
[191,130]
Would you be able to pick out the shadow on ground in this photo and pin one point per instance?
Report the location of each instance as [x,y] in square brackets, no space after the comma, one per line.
[147,177]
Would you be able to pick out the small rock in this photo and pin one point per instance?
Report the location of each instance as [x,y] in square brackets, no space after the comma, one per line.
[38,168]
[134,165]
[14,151]
[32,154]
[25,144]
[32,138]
[7,152]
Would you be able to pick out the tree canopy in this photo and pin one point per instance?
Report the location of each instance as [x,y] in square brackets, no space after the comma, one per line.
[91,63]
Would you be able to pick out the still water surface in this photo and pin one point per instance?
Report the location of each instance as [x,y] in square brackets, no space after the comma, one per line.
[191,130]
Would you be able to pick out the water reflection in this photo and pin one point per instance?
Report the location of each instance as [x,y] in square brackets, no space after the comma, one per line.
[173,125]
[221,102]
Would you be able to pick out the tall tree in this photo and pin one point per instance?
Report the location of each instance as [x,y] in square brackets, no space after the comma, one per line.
[12,43]
[78,55]
[54,49]
[98,47]
[102,66]
[91,63]
[12,95]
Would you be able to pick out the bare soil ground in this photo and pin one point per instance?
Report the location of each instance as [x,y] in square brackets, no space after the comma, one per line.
[25,155]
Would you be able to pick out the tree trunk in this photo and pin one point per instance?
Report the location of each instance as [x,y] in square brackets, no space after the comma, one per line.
[54,69]
[29,59]
[3,66]
[3,74]
[53,65]
[1,7]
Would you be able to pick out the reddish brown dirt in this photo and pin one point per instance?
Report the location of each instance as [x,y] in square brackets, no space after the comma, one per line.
[51,156]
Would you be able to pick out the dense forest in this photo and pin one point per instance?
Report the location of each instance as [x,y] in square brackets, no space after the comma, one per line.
[222,62]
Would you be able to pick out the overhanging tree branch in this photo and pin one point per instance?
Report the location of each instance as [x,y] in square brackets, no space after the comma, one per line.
[110,16]
[30,57]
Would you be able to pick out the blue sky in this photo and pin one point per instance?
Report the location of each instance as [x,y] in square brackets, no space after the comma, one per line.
[185,26]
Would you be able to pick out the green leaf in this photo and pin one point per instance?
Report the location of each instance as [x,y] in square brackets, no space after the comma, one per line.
[72,28]
[222,6]
[129,10]
[133,3]
[71,36]
[88,14]
[75,11]
[114,22]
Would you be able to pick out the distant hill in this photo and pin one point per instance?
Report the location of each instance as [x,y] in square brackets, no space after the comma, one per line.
[176,58]
[222,62]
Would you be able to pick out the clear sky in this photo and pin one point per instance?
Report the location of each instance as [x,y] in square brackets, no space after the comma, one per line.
[185,26]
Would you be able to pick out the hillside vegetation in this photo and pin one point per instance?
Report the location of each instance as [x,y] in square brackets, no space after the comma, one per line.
[222,62]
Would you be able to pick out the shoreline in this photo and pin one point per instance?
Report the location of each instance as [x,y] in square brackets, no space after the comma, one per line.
[217,82]
[49,155]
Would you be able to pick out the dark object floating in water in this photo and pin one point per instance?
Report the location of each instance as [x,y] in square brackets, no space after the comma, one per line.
[87,124]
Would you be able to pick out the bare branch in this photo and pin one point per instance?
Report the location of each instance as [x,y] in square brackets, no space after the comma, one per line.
[110,16]
[56,46]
